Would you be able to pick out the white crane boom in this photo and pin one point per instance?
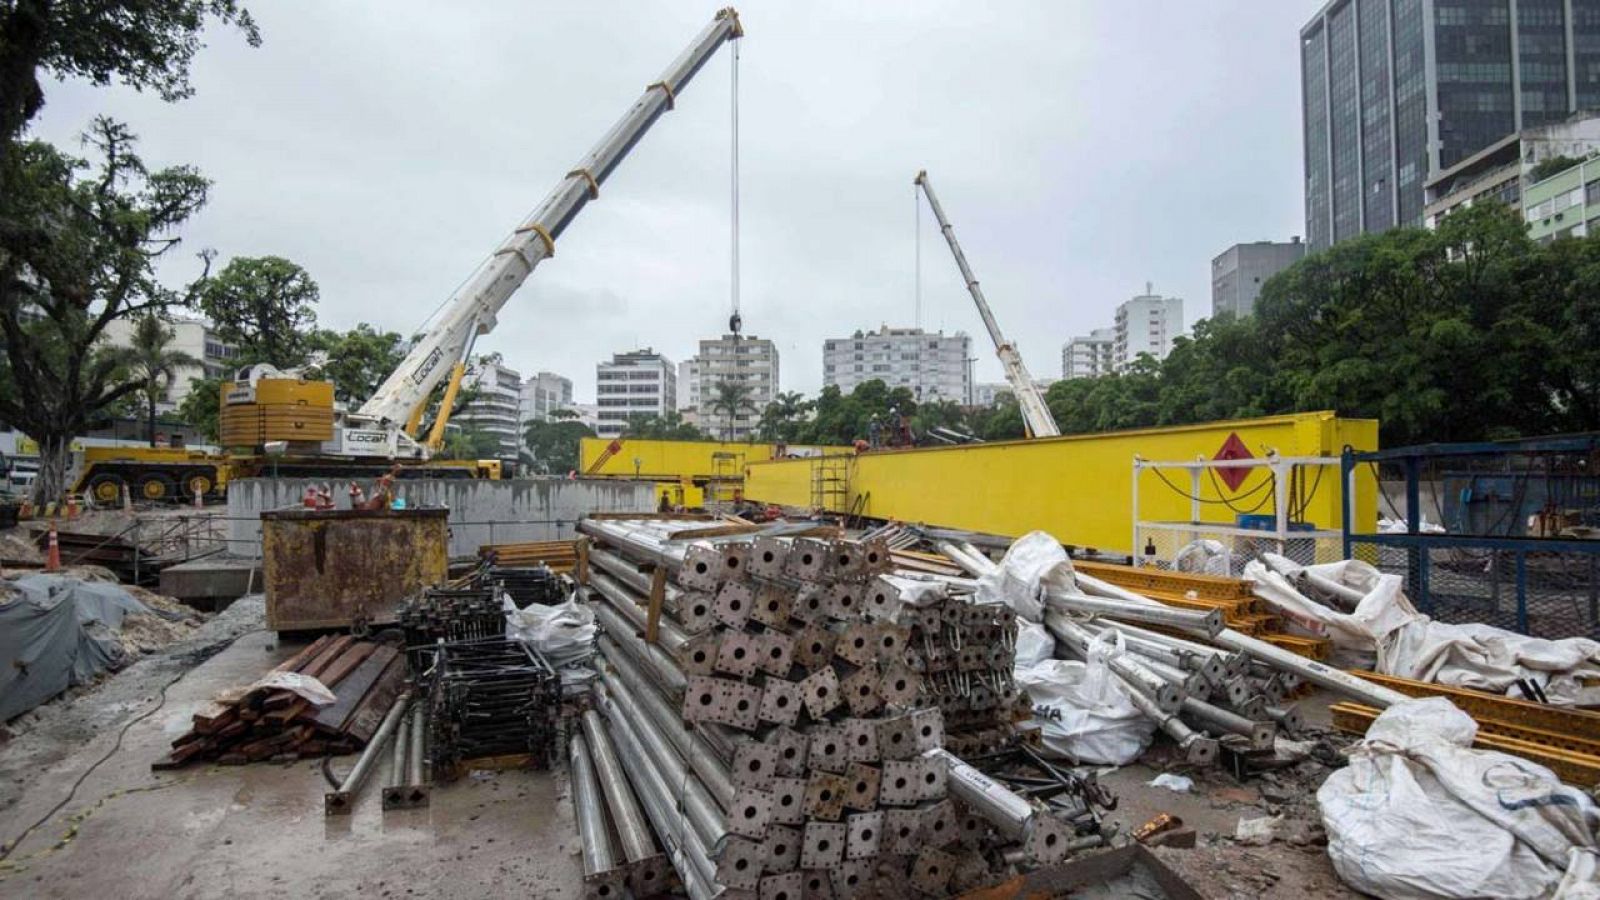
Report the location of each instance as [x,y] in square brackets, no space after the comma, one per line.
[1035,414]
[472,309]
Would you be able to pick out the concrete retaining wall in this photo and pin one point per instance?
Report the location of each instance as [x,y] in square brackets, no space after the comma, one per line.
[481,512]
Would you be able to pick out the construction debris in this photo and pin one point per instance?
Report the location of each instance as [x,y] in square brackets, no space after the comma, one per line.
[816,685]
[279,717]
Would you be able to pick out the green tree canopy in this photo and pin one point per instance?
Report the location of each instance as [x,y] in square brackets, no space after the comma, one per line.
[266,306]
[668,426]
[554,446]
[357,361]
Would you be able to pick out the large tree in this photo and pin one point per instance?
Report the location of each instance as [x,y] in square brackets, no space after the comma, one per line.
[267,306]
[729,399]
[94,233]
[554,445]
[357,361]
[153,363]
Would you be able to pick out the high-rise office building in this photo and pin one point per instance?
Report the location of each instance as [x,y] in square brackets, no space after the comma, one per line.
[544,394]
[1238,273]
[1396,91]
[637,383]
[932,364]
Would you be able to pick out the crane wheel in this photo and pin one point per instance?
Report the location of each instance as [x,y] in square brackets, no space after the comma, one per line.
[106,489]
[197,483]
[156,487]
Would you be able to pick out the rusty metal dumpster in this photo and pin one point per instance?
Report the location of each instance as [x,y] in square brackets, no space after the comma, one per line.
[348,568]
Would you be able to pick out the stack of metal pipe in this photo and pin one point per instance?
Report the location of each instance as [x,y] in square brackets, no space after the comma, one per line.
[782,731]
[1207,687]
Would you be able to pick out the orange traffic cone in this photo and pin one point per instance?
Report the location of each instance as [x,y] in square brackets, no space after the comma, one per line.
[52,558]
[72,506]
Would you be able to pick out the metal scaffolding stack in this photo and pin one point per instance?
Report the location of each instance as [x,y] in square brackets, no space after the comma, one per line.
[487,699]
[779,705]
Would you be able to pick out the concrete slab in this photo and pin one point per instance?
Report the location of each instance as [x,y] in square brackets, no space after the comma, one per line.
[211,583]
[259,830]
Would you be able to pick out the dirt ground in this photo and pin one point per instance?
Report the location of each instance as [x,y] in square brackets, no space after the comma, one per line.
[251,831]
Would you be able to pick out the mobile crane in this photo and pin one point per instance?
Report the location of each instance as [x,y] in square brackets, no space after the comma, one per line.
[1035,414]
[263,408]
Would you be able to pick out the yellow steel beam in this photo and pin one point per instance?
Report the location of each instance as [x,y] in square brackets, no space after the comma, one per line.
[1576,767]
[1480,705]
[1209,587]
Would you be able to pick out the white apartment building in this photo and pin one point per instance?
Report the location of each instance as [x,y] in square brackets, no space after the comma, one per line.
[1146,324]
[1089,356]
[543,394]
[192,336]
[990,393]
[636,383]
[496,407]
[749,361]
[932,364]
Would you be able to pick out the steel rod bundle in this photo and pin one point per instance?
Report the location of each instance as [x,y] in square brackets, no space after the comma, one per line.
[342,799]
[791,717]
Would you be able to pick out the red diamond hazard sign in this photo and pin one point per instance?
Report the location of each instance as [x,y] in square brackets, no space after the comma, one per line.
[1233,448]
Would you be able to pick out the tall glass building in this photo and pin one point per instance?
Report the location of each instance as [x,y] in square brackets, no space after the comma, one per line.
[1394,91]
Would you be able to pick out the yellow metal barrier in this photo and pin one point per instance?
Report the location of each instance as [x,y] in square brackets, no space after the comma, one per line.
[1078,487]
[685,471]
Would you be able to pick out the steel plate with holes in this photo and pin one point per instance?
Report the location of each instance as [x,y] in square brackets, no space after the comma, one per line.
[649,876]
[792,747]
[852,878]
[783,886]
[739,654]
[844,559]
[698,655]
[821,691]
[972,829]
[807,559]
[855,644]
[927,729]
[694,611]
[932,871]
[844,601]
[749,813]
[899,686]
[810,603]
[608,885]
[733,605]
[897,738]
[788,800]
[772,606]
[701,698]
[742,704]
[865,829]
[777,653]
[898,786]
[938,823]
[861,739]
[822,847]
[783,848]
[813,647]
[1049,841]
[740,863]
[875,557]
[701,568]
[828,750]
[881,600]
[781,701]
[861,692]
[767,556]
[825,793]
[892,641]
[815,885]
[754,764]
[900,827]
[735,558]
[862,781]
[933,780]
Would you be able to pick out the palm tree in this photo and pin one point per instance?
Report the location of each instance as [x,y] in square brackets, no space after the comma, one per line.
[731,398]
[150,360]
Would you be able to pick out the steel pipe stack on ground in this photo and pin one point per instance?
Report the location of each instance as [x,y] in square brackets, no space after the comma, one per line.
[778,731]
[394,789]
[341,800]
[602,878]
[647,873]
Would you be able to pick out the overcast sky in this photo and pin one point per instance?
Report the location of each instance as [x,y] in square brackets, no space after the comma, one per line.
[1079,148]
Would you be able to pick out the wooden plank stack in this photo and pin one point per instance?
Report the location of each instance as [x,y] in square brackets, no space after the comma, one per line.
[271,723]
[560,556]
